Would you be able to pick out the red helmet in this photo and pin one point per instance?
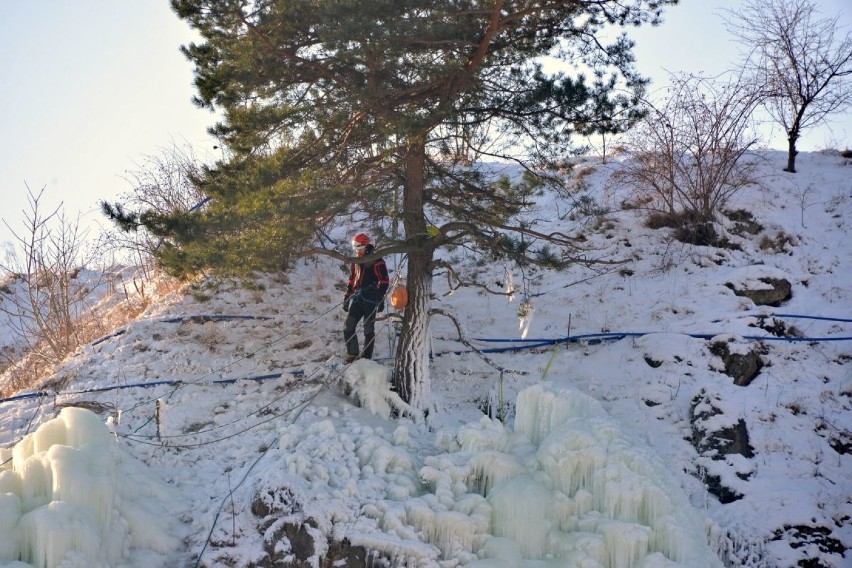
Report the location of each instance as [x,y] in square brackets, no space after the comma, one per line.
[360,241]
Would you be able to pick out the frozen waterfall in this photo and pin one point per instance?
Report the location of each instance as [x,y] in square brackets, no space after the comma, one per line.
[563,488]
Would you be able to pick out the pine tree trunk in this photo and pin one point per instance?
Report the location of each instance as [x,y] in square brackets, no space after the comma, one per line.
[411,368]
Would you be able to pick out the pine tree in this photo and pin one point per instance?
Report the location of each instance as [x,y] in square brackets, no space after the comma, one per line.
[386,107]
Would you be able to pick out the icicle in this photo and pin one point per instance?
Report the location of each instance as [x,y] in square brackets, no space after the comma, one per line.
[450,532]
[488,469]
[369,383]
[84,479]
[525,317]
[523,511]
[626,543]
[10,482]
[50,533]
[505,552]
[478,509]
[485,435]
[577,549]
[566,488]
[510,285]
[37,481]
[10,513]
[598,500]
[572,458]
[539,411]
[83,427]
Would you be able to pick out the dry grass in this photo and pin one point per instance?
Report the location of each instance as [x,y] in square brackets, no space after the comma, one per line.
[33,368]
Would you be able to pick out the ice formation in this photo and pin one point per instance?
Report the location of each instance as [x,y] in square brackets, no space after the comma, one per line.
[564,488]
[72,498]
[370,386]
[525,317]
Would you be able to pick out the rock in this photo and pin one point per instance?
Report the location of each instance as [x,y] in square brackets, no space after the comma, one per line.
[714,439]
[302,549]
[816,545]
[715,487]
[743,223]
[780,290]
[721,441]
[724,441]
[742,367]
[293,541]
[302,544]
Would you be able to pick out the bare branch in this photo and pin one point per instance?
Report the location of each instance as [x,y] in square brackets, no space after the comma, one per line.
[802,61]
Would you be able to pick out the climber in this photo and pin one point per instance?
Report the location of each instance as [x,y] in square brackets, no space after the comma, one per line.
[364,298]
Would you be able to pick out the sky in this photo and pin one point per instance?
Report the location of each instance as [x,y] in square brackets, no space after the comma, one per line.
[221,416]
[92,88]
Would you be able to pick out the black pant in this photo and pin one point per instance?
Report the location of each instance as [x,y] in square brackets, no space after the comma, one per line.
[360,309]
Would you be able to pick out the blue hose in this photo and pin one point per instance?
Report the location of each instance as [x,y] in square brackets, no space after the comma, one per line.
[297,373]
[538,342]
[526,344]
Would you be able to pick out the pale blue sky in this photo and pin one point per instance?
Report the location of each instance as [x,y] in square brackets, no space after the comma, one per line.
[89,88]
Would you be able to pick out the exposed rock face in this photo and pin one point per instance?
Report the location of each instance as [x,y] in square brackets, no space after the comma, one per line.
[742,367]
[780,290]
[291,541]
[303,549]
[730,440]
[806,538]
[715,440]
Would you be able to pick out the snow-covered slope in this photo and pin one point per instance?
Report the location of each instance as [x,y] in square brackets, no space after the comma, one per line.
[623,437]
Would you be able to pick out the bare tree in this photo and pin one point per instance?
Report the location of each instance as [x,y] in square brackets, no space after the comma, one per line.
[45,309]
[686,155]
[163,183]
[801,60]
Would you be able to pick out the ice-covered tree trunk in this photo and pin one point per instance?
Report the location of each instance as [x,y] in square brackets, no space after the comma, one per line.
[411,367]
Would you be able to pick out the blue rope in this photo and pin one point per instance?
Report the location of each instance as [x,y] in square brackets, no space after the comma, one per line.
[194,319]
[526,344]
[621,335]
[534,343]
[812,317]
[296,373]
[541,342]
[214,317]
[25,396]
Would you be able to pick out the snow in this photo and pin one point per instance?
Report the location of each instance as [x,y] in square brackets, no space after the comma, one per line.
[215,436]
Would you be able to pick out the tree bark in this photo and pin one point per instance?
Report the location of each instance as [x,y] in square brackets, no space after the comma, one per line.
[411,366]
[791,154]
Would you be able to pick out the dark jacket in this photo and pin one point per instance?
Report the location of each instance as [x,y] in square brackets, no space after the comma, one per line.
[368,281]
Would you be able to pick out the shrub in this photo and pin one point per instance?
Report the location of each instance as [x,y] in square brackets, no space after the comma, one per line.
[658,220]
[688,153]
[777,244]
[744,222]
